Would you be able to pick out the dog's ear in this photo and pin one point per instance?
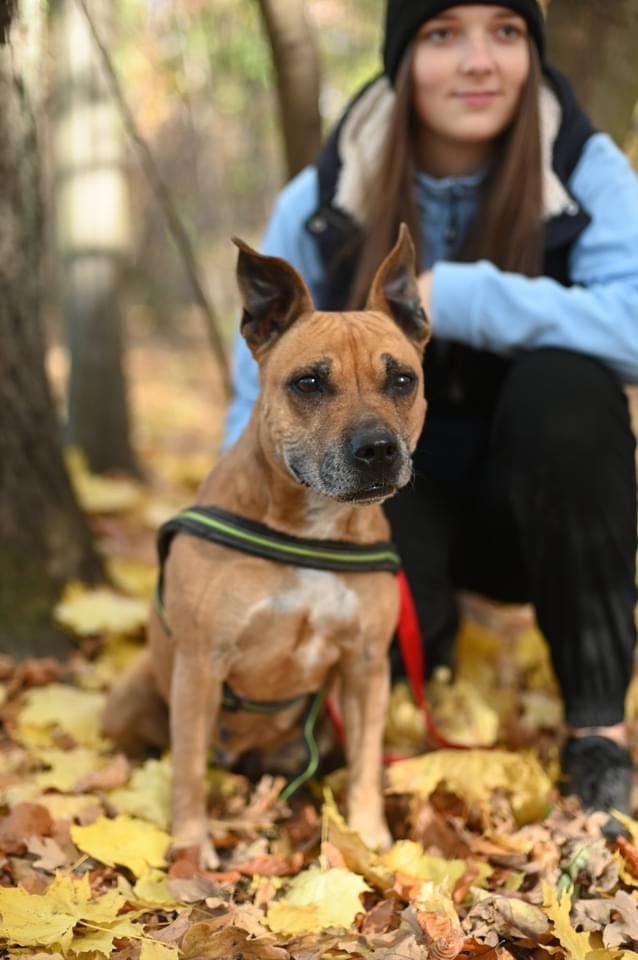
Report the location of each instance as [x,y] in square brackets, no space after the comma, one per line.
[394,291]
[273,296]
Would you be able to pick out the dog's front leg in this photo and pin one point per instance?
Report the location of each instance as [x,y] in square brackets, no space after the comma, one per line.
[365,690]
[195,704]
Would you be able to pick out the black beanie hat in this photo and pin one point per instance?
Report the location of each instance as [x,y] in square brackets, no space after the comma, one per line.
[404,17]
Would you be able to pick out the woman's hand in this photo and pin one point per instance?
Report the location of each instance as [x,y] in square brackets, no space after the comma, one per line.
[424,283]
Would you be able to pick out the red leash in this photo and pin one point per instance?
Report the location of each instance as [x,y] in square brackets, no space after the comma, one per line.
[412,652]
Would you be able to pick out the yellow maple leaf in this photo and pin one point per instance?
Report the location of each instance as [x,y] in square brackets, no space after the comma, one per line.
[473,775]
[577,946]
[124,840]
[409,858]
[48,919]
[317,899]
[116,654]
[357,856]
[154,950]
[629,824]
[99,610]
[32,921]
[132,576]
[148,793]
[461,712]
[61,707]
[67,767]
[101,940]
[99,494]
[152,890]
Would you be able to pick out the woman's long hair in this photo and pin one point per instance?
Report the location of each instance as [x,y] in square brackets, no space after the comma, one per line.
[507,228]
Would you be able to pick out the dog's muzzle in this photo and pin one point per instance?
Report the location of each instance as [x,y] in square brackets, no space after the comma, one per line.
[368,465]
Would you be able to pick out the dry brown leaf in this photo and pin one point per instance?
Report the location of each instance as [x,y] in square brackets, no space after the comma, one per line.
[271,865]
[441,935]
[510,917]
[52,856]
[200,944]
[175,930]
[115,774]
[24,821]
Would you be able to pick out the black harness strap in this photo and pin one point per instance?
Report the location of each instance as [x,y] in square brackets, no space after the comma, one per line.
[248,536]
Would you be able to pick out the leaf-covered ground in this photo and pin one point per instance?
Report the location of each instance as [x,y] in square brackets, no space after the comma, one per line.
[488,860]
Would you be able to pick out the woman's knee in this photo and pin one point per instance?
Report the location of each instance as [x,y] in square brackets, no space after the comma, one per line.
[565,406]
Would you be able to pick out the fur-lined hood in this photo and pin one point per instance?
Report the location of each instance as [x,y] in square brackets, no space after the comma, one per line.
[362,135]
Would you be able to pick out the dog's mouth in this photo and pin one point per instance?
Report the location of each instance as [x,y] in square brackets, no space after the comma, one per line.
[372,493]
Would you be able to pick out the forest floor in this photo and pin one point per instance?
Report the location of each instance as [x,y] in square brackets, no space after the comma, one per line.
[488,860]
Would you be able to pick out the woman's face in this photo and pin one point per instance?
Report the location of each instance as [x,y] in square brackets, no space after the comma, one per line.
[470,65]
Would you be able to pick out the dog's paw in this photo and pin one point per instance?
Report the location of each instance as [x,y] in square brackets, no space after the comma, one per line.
[201,852]
[374,833]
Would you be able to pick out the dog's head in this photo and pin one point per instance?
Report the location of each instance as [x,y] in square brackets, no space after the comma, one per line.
[341,393]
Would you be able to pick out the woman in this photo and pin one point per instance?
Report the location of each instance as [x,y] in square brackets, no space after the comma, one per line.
[526,221]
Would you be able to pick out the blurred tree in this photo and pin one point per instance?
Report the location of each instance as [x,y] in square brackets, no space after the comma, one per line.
[595,43]
[45,539]
[296,62]
[93,237]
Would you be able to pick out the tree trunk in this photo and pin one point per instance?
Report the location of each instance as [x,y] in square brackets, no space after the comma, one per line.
[296,62]
[93,229]
[595,43]
[44,537]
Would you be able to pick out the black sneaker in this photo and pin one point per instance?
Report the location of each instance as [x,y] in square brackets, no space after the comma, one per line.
[600,773]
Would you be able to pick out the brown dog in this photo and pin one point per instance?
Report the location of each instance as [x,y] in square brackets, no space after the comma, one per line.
[330,437]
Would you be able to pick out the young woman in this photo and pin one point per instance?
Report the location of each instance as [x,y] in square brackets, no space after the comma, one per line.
[526,221]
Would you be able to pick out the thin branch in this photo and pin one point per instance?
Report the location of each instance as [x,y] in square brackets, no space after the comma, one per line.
[164,199]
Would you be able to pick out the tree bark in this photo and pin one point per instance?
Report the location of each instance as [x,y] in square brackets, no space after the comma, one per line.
[44,537]
[296,62]
[93,239]
[595,43]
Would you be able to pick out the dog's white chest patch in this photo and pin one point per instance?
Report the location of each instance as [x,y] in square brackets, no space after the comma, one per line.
[329,606]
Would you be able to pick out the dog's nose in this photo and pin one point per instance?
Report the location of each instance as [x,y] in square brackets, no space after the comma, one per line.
[374,449]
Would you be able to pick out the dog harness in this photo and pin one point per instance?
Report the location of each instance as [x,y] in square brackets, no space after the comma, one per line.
[248,536]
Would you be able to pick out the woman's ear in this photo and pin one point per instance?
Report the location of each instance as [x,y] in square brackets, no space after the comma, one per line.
[394,291]
[273,296]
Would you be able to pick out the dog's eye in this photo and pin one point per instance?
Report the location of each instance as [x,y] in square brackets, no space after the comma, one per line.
[308,384]
[402,382]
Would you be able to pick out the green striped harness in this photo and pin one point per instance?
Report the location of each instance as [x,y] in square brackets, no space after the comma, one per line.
[248,536]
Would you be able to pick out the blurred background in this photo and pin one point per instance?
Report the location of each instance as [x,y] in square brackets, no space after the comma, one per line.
[136,138]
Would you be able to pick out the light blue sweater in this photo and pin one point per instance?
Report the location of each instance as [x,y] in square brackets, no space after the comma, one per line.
[476,303]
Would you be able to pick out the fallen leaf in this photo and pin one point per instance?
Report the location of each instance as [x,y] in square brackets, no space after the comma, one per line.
[108,777]
[576,945]
[175,930]
[154,950]
[48,919]
[199,944]
[317,899]
[90,611]
[97,493]
[511,917]
[408,857]
[26,820]
[148,793]
[57,706]
[152,890]
[50,854]
[357,856]
[66,767]
[124,840]
[474,775]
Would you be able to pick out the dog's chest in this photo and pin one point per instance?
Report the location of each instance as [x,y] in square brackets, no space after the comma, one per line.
[301,629]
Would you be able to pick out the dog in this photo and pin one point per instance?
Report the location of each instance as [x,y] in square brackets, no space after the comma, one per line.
[330,437]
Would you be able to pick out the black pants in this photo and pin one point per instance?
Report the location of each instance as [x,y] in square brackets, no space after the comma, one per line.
[533,501]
